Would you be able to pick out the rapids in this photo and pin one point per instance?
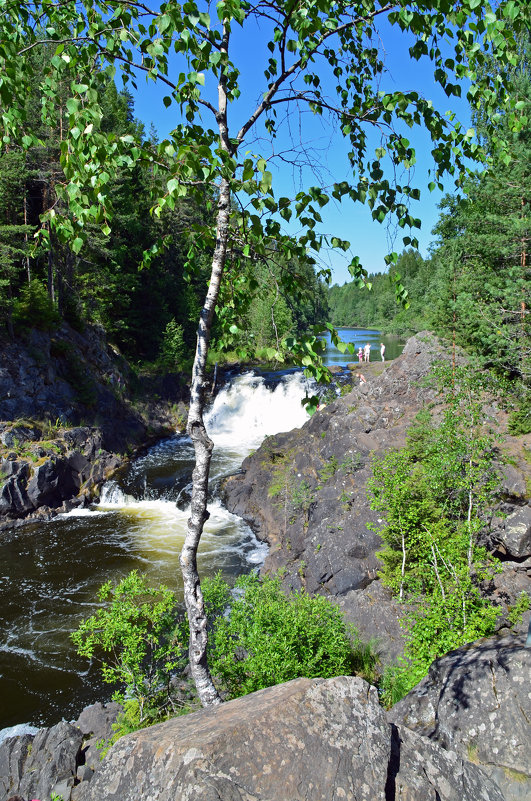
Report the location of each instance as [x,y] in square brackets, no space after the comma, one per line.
[50,572]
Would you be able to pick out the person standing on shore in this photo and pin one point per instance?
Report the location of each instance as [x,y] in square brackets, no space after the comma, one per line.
[360,355]
[367,352]
[382,351]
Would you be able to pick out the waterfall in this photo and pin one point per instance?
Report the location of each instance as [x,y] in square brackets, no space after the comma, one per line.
[245,411]
[50,577]
[250,409]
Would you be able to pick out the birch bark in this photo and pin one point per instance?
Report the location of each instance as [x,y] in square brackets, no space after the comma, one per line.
[203,445]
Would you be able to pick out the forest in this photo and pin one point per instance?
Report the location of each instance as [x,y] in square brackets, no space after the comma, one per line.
[147,304]
[473,287]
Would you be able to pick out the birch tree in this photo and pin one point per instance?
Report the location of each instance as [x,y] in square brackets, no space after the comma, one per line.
[322,59]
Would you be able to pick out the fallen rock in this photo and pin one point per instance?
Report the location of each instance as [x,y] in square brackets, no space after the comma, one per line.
[56,759]
[34,766]
[315,740]
[95,722]
[512,536]
[476,701]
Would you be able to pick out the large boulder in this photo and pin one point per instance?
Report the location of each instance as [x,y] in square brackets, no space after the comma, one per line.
[476,701]
[315,740]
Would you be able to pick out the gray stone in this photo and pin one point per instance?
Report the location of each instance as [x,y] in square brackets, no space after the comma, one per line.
[13,752]
[477,701]
[95,722]
[33,765]
[52,483]
[18,435]
[317,740]
[513,481]
[514,533]
[376,615]
[14,498]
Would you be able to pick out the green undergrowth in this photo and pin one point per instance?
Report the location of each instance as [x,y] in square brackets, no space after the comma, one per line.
[435,496]
[259,636]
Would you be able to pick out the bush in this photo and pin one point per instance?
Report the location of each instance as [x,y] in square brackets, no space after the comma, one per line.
[520,420]
[140,637]
[270,637]
[34,309]
[135,638]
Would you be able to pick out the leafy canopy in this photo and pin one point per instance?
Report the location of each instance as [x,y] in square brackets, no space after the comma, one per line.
[321,56]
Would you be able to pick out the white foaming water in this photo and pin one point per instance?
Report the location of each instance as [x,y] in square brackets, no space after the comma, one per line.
[137,525]
[241,416]
[17,731]
[247,411]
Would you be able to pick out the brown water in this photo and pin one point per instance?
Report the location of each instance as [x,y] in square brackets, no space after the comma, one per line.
[50,572]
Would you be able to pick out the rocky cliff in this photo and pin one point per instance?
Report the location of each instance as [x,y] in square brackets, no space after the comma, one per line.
[67,419]
[462,734]
[305,493]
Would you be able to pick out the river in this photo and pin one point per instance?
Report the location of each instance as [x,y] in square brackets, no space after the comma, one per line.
[50,572]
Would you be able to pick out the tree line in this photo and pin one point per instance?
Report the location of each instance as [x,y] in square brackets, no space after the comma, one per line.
[473,288]
[147,304]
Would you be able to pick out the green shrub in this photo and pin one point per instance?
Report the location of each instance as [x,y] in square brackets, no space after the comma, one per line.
[394,683]
[134,637]
[34,309]
[270,637]
[520,421]
[435,495]
[140,638]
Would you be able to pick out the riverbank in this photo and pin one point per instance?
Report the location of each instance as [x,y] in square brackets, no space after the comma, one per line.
[71,412]
[319,539]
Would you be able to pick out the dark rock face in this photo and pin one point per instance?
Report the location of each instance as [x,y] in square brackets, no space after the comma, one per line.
[477,701]
[57,759]
[67,468]
[305,493]
[36,766]
[48,386]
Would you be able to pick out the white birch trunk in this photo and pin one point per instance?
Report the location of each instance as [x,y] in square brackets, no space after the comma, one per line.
[203,445]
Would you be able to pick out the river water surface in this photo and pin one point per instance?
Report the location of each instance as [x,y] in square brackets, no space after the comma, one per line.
[50,572]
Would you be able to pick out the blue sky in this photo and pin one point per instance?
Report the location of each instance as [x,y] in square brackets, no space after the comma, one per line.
[369,240]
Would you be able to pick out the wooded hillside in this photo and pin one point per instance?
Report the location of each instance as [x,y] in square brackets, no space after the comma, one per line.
[474,286]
